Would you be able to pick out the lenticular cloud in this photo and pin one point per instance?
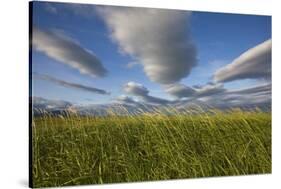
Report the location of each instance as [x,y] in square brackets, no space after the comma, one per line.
[158,39]
[252,64]
[67,51]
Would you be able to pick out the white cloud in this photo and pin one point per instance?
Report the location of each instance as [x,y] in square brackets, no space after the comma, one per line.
[159,40]
[252,64]
[67,51]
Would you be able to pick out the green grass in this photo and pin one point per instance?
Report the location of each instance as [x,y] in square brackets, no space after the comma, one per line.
[75,150]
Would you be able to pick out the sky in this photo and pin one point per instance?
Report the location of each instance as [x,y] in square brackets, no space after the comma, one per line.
[87,54]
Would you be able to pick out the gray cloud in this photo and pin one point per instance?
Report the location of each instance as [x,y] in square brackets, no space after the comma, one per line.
[180,90]
[67,51]
[254,96]
[135,89]
[142,92]
[155,100]
[158,39]
[70,85]
[252,64]
[210,95]
[261,89]
[209,90]
[216,96]
[183,91]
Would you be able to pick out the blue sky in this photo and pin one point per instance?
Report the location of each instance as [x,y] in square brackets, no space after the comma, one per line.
[218,38]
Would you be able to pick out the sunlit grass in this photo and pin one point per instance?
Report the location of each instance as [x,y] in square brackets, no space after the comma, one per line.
[72,150]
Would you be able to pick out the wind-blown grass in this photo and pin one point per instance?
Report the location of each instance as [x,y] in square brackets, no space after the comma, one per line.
[74,150]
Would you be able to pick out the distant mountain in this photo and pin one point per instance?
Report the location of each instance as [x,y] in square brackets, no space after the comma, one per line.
[42,106]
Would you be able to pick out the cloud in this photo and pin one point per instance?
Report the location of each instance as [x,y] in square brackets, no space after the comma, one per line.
[70,85]
[155,100]
[180,90]
[158,39]
[253,96]
[252,64]
[216,96]
[67,51]
[123,99]
[142,92]
[212,95]
[209,90]
[183,91]
[135,89]
[47,104]
[261,89]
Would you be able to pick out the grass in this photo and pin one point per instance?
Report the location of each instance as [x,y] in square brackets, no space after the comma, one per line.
[75,150]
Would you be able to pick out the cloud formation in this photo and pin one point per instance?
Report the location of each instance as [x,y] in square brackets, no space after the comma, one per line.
[123,99]
[180,90]
[135,89]
[252,64]
[67,51]
[142,92]
[254,96]
[260,89]
[209,90]
[70,85]
[183,91]
[158,39]
[216,96]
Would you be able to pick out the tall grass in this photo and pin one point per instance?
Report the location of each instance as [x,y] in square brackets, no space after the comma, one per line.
[74,150]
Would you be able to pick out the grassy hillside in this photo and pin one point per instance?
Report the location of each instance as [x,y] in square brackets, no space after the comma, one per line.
[74,150]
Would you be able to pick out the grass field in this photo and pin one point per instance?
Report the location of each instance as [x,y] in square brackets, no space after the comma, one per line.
[74,150]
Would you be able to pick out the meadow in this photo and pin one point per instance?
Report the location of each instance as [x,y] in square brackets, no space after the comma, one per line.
[75,150]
